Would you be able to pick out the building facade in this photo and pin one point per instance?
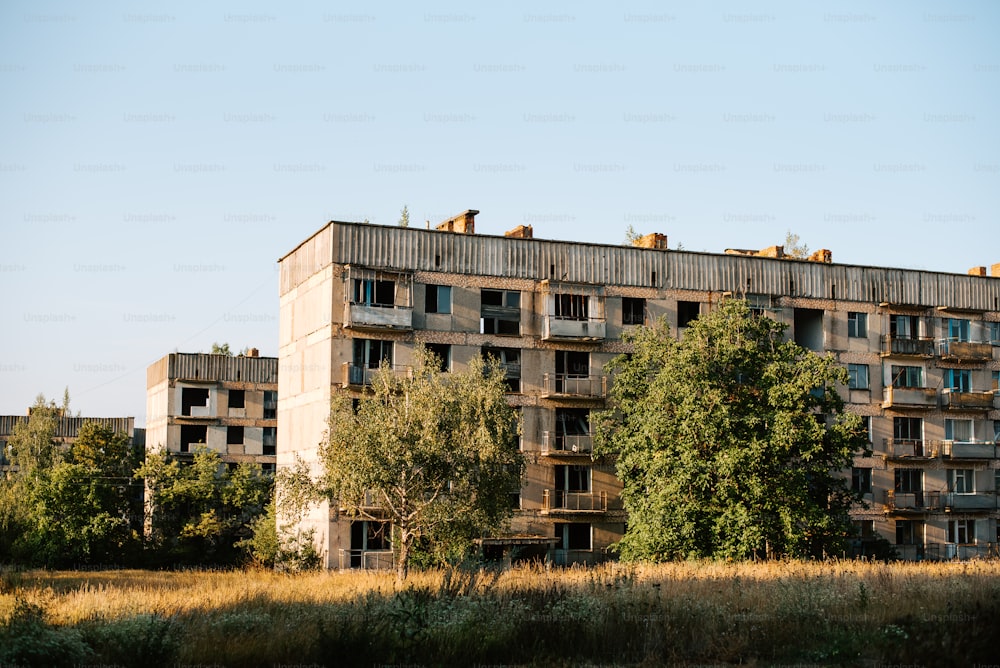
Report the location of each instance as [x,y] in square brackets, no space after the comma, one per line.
[226,403]
[921,349]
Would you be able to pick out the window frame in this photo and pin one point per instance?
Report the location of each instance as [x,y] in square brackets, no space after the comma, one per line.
[437,299]
[631,308]
[857,325]
[855,380]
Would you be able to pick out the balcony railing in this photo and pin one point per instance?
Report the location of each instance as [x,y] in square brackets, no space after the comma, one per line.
[376,560]
[360,376]
[907,346]
[909,397]
[912,501]
[555,328]
[978,401]
[570,385]
[965,351]
[951,501]
[378,316]
[556,444]
[562,501]
[907,448]
[969,449]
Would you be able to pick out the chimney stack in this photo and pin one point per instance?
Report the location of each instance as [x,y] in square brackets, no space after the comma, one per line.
[463,223]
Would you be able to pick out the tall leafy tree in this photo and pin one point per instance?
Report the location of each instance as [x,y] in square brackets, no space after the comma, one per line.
[729,441]
[433,453]
[200,511]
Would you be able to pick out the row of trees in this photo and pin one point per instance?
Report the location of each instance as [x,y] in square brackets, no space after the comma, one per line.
[84,504]
[728,441]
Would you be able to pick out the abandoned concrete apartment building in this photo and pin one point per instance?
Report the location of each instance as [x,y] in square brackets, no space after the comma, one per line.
[920,347]
[228,404]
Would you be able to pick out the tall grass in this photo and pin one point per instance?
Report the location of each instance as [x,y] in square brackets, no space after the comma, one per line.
[832,613]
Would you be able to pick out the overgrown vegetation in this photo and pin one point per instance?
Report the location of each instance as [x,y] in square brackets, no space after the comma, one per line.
[820,613]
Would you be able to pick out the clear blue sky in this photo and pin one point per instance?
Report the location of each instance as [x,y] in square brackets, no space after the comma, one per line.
[156,159]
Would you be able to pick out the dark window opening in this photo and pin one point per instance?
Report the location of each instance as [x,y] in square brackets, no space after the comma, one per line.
[572,307]
[191,397]
[192,435]
[909,532]
[510,360]
[372,292]
[270,440]
[861,479]
[908,481]
[437,299]
[270,404]
[808,324]
[687,312]
[572,478]
[573,536]
[633,311]
[907,429]
[500,312]
[237,398]
[234,435]
[442,353]
[370,353]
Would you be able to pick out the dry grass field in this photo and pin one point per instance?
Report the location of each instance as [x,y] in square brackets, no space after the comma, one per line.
[831,613]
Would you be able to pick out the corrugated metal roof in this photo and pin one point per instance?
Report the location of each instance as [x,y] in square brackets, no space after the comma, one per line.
[208,367]
[69,427]
[414,249]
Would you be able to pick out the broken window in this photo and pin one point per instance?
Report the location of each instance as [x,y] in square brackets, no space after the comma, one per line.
[373,292]
[192,435]
[573,536]
[442,352]
[510,360]
[808,328]
[500,312]
[907,376]
[633,311]
[687,312]
[437,299]
[572,307]
[194,397]
[234,435]
[370,353]
[237,398]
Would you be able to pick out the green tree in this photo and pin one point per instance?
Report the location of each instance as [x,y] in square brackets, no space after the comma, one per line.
[794,246]
[199,511]
[434,453]
[632,236]
[729,442]
[221,349]
[404,217]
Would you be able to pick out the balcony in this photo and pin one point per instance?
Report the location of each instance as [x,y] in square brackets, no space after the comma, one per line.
[377,316]
[967,401]
[953,501]
[964,351]
[555,328]
[968,449]
[371,560]
[912,502]
[353,376]
[909,397]
[907,346]
[561,501]
[906,448]
[555,444]
[571,386]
